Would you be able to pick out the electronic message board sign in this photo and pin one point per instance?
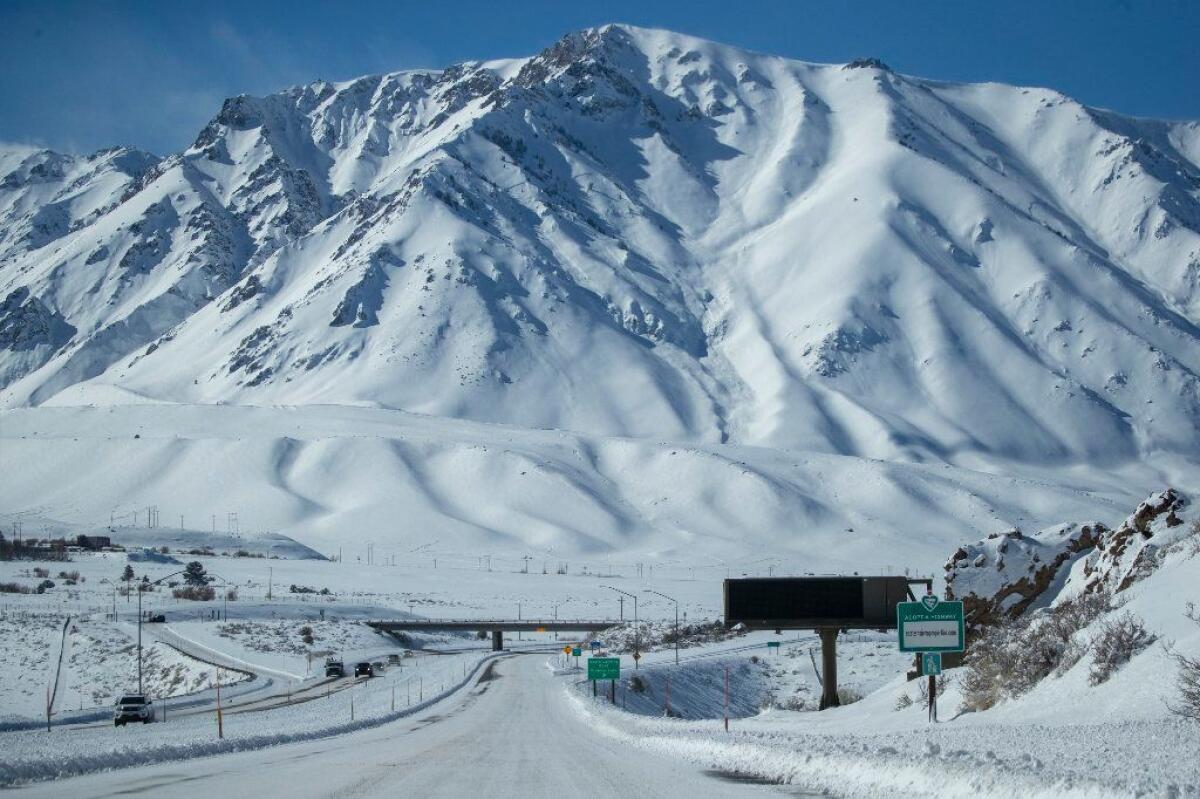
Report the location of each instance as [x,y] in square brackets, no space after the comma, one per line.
[809,603]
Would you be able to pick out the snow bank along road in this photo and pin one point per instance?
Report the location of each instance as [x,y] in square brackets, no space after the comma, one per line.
[512,733]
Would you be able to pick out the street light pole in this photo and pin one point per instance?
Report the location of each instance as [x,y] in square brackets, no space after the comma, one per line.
[141,588]
[637,647]
[664,596]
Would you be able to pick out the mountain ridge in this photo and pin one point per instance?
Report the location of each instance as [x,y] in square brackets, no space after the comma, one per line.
[641,233]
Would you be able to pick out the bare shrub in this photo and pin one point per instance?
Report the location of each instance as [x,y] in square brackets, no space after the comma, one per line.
[38,571]
[848,696]
[197,593]
[794,703]
[903,701]
[1009,659]
[1187,679]
[1116,644]
[990,664]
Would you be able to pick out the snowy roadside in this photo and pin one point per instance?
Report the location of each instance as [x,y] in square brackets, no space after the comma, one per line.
[34,756]
[1091,760]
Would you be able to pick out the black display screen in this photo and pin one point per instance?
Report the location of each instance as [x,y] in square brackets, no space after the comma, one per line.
[788,600]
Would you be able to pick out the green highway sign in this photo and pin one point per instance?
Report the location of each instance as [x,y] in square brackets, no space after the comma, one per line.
[931,664]
[577,651]
[772,644]
[604,669]
[930,625]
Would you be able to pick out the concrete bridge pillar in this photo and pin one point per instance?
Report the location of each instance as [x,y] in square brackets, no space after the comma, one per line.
[497,640]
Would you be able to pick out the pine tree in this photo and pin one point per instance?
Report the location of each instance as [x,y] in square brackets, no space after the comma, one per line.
[127,575]
[194,574]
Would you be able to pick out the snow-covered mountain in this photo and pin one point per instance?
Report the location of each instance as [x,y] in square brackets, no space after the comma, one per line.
[636,232]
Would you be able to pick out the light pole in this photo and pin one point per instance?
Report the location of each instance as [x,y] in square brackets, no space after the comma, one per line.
[664,596]
[141,589]
[114,588]
[637,656]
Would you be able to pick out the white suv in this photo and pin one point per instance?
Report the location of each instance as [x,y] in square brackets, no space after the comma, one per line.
[133,707]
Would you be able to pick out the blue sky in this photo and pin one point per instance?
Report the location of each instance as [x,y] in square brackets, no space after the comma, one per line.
[79,76]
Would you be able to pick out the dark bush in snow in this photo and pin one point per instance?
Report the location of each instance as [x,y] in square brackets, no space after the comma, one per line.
[1118,641]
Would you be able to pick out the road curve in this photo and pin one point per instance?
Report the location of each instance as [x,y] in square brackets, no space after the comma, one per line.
[512,733]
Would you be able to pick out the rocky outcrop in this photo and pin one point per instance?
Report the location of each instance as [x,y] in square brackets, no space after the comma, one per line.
[1007,574]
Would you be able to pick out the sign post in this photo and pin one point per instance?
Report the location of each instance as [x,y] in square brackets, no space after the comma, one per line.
[931,627]
[605,669]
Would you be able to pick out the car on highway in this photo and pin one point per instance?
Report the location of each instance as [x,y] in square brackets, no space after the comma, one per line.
[133,707]
[393,659]
[363,669]
[335,668]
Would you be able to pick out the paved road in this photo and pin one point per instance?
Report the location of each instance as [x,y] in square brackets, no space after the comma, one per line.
[510,734]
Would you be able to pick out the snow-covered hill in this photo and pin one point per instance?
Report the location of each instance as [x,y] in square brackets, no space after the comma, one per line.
[639,233]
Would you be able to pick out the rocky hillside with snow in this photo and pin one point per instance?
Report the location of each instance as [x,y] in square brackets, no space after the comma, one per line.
[1009,574]
[636,232]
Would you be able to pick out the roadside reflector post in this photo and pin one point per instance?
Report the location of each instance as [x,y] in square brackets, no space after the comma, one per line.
[726,714]
[220,721]
[829,692]
[593,689]
[668,697]
[612,691]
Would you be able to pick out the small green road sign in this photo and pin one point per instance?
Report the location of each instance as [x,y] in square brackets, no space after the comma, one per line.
[577,651]
[931,664]
[604,669]
[772,644]
[930,625]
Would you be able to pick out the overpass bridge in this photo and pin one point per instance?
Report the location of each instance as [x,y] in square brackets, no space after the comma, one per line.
[497,627]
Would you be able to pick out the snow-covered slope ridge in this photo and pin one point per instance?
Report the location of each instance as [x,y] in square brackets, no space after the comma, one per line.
[636,232]
[1007,574]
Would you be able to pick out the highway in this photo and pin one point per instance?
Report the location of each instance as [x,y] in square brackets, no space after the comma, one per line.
[511,732]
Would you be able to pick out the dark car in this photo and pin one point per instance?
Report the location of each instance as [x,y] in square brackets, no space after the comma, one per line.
[363,670]
[157,618]
[334,668]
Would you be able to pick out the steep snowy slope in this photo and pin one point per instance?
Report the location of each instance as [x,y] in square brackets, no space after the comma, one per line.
[637,232]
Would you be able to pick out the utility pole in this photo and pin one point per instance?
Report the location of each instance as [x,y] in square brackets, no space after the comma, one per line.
[270,580]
